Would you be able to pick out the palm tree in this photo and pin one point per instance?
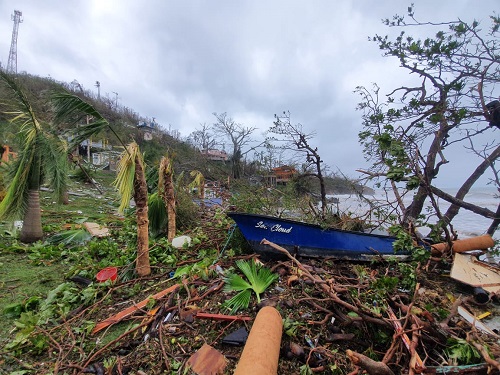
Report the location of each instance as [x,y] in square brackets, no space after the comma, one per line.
[130,177]
[167,192]
[198,182]
[41,159]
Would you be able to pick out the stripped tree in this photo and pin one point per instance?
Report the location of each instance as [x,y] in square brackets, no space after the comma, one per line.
[167,192]
[296,139]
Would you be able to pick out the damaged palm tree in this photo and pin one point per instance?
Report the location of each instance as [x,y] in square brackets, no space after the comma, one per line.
[198,183]
[167,193]
[130,178]
[42,158]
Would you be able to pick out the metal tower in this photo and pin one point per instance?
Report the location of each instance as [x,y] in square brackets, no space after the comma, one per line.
[12,63]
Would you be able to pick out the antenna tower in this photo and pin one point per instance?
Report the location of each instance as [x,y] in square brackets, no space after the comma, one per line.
[12,63]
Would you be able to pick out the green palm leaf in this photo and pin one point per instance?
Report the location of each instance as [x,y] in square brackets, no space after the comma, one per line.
[55,161]
[259,279]
[124,181]
[71,109]
[239,301]
[235,282]
[70,238]
[157,213]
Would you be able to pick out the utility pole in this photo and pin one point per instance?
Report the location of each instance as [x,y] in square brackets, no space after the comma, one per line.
[12,63]
[98,85]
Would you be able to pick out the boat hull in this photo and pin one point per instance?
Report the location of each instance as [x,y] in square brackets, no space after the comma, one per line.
[310,240]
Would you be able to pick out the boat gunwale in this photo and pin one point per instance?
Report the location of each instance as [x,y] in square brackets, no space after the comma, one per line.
[316,226]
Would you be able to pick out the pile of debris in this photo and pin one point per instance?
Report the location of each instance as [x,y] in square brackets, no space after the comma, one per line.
[322,316]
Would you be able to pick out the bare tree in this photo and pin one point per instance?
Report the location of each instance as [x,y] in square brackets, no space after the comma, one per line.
[239,136]
[203,138]
[296,139]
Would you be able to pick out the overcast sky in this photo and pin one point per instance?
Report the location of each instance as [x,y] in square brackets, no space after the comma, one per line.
[180,61]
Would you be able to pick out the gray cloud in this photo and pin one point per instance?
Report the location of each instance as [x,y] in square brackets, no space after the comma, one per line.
[180,61]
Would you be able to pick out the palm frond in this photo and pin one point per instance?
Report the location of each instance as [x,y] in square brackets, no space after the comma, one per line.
[14,203]
[259,279]
[264,279]
[239,301]
[22,111]
[234,282]
[55,164]
[157,213]
[249,269]
[71,109]
[70,238]
[198,178]
[124,181]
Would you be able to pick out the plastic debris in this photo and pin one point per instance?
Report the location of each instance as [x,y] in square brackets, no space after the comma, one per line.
[236,338]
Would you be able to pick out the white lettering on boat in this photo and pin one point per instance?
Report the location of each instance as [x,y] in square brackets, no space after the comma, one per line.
[279,228]
[261,225]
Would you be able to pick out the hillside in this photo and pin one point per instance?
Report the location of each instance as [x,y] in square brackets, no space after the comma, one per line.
[125,121]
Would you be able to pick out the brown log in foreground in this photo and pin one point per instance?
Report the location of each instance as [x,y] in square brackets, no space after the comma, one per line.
[262,350]
[372,367]
[483,242]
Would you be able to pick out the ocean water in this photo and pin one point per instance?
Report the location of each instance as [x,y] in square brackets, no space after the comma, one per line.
[466,223]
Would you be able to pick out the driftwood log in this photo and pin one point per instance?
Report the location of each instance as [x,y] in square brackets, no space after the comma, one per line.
[369,365]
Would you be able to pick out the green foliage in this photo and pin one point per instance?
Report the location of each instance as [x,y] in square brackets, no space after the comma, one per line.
[460,352]
[290,327]
[58,303]
[258,280]
[384,285]
[405,243]
[200,269]
[306,370]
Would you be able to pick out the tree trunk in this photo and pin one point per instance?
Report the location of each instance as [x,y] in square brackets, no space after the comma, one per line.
[468,206]
[429,173]
[32,224]
[167,193]
[141,211]
[322,187]
[496,222]
[170,203]
[65,197]
[464,189]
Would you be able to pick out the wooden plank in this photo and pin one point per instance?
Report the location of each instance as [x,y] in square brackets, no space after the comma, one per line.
[130,310]
[96,230]
[469,270]
[474,321]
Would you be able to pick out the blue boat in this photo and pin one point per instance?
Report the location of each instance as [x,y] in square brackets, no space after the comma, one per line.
[309,240]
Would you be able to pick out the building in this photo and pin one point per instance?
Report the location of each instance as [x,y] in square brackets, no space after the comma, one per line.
[215,155]
[148,129]
[281,175]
